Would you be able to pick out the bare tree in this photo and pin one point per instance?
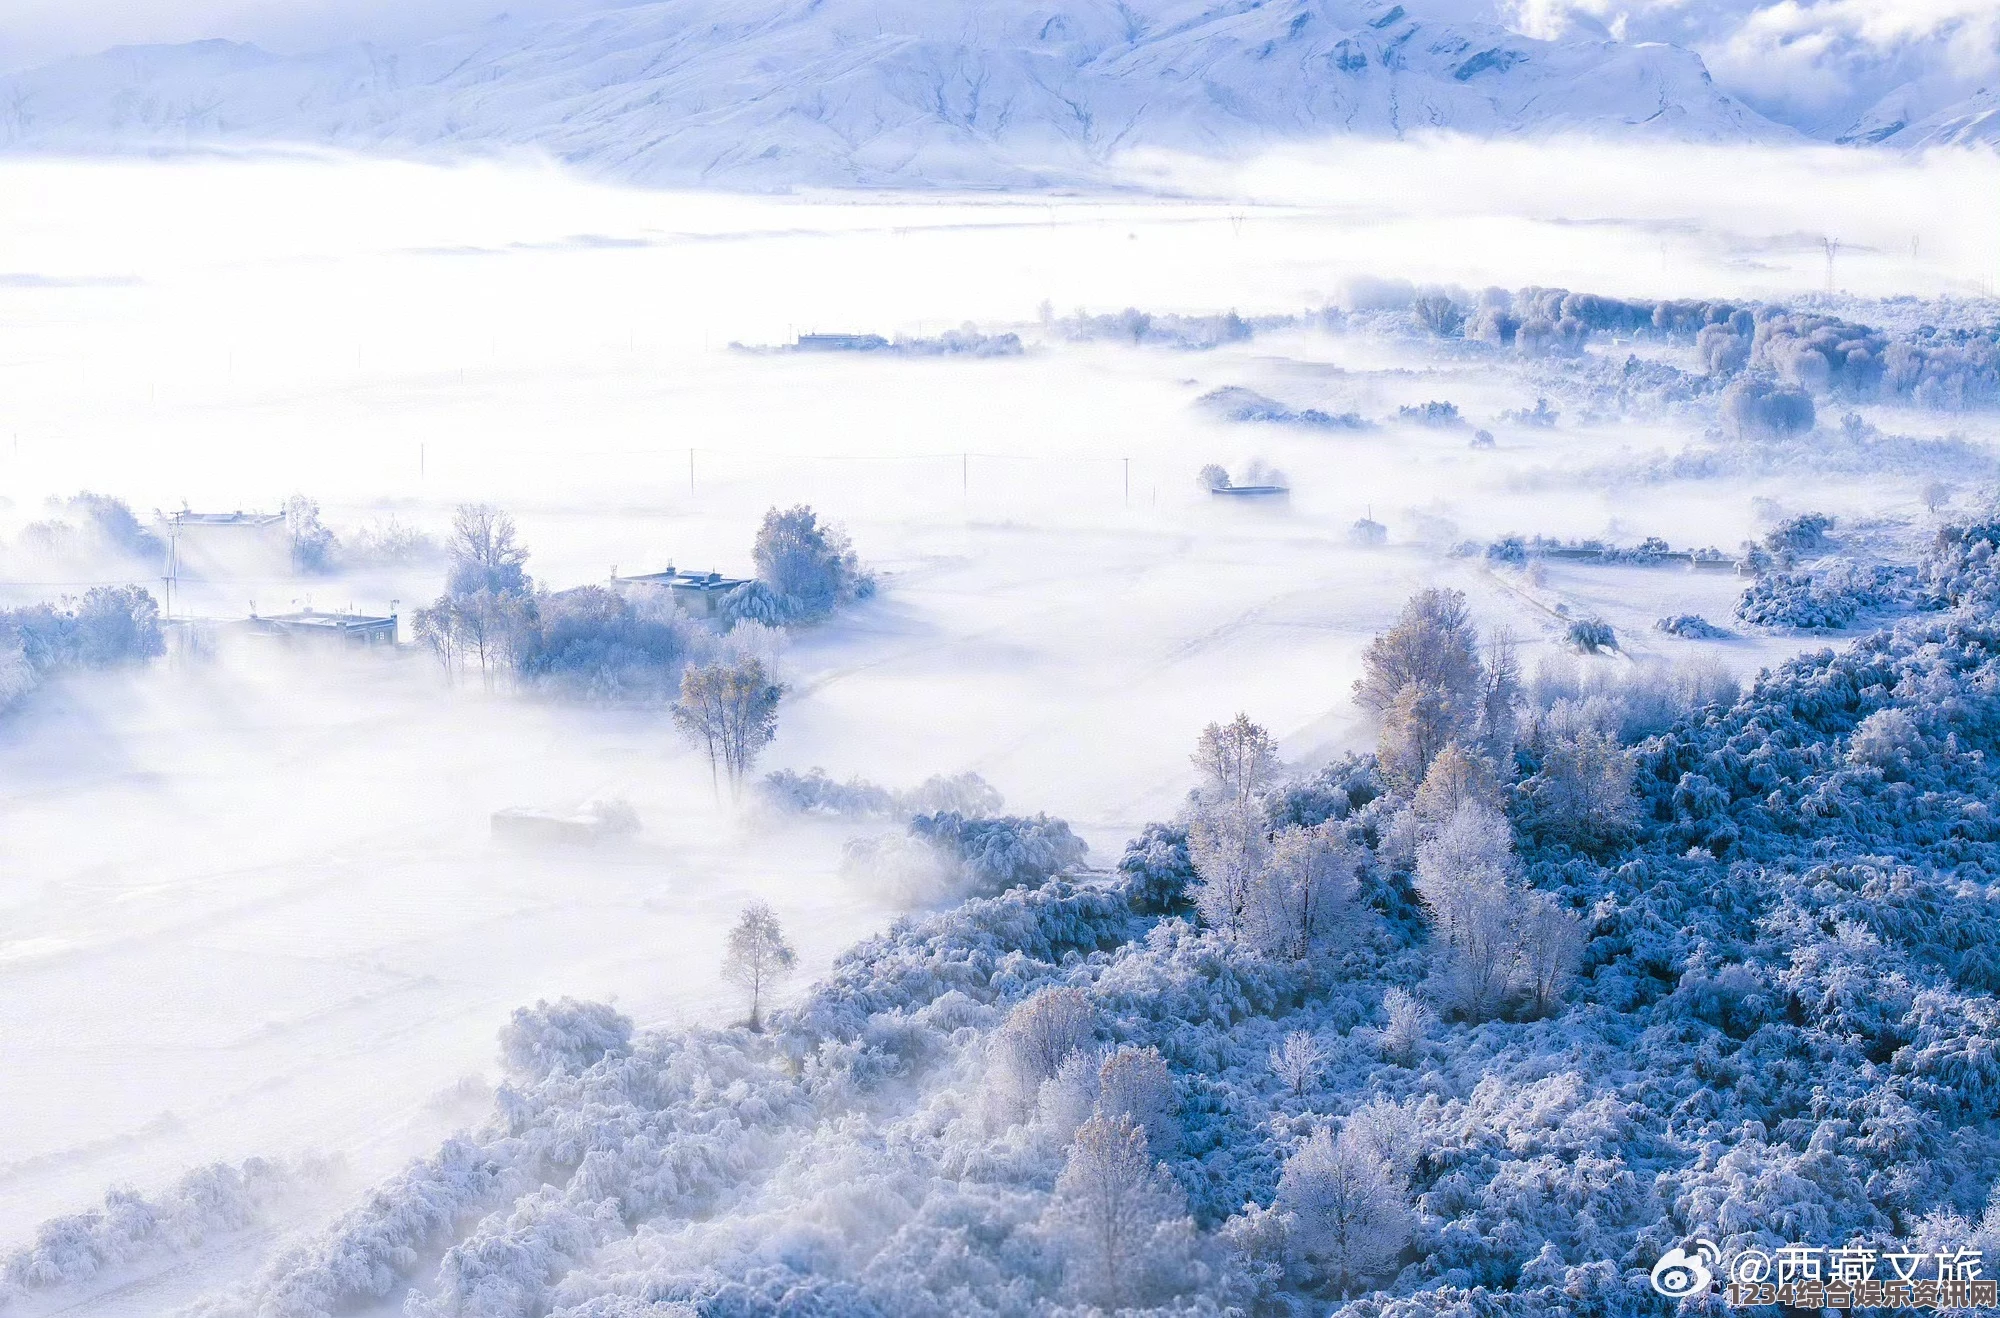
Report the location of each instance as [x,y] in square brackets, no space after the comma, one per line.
[1349,1205]
[485,553]
[1236,759]
[1297,1061]
[1042,1031]
[1110,1202]
[759,958]
[486,627]
[729,710]
[437,631]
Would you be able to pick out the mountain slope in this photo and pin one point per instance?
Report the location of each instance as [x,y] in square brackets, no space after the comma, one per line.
[1916,116]
[1000,92]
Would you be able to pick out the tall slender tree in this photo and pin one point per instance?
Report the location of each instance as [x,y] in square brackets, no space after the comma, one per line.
[729,711]
[759,958]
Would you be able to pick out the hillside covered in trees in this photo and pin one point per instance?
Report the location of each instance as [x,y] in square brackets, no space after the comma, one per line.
[1485,1022]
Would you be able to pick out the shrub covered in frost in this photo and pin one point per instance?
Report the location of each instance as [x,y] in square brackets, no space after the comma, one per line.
[109,627]
[565,1036]
[1589,635]
[1691,626]
[813,792]
[1433,413]
[592,643]
[1826,597]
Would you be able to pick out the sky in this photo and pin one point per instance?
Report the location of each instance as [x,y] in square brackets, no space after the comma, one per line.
[1816,64]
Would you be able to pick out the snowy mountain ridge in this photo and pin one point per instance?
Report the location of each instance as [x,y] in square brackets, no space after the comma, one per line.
[884,92]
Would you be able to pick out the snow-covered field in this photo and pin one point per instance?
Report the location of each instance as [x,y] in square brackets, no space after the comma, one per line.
[252,908]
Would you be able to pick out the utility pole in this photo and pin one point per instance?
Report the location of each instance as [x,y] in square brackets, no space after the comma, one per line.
[1832,246]
[1128,481]
[690,471]
[173,561]
[964,474]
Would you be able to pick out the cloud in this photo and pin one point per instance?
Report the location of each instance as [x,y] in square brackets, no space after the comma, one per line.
[1815,64]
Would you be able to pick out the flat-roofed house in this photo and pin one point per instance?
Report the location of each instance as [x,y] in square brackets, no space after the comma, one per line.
[698,593]
[328,628]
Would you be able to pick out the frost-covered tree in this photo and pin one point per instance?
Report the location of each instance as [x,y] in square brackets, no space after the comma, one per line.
[1456,778]
[1500,696]
[1438,314]
[1418,725]
[1135,1083]
[728,710]
[592,643]
[1302,892]
[758,958]
[313,544]
[486,555]
[1462,875]
[1230,850]
[1551,940]
[1237,760]
[1583,791]
[1351,1216]
[1111,1202]
[1432,642]
[1389,1131]
[110,627]
[1298,1060]
[809,564]
[1042,1031]
[1409,1024]
[1423,681]
[17,675]
[1758,407]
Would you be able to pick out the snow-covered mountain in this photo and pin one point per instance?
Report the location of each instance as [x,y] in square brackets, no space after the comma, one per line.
[1900,120]
[968,92]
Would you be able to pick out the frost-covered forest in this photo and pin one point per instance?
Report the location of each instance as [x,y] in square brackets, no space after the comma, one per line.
[1480,1028]
[995,755]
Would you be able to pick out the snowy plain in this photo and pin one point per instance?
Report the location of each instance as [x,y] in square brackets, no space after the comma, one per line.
[252,908]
